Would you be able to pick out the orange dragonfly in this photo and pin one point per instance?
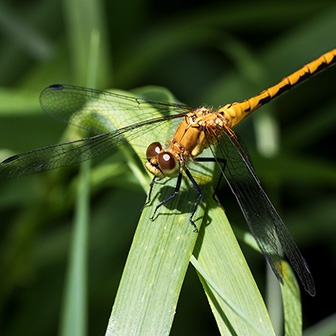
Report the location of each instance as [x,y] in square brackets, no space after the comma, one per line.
[196,130]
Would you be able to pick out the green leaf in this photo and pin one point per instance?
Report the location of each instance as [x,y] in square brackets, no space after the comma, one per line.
[291,302]
[74,319]
[236,302]
[159,257]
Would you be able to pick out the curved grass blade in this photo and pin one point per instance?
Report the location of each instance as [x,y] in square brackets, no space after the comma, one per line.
[291,302]
[149,289]
[236,301]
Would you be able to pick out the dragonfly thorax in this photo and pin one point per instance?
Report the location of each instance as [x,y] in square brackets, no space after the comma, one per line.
[199,130]
[196,132]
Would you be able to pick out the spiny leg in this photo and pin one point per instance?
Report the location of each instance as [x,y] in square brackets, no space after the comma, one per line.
[149,198]
[199,192]
[195,185]
[222,168]
[176,191]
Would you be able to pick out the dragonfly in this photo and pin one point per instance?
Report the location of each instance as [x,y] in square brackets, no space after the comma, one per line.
[194,131]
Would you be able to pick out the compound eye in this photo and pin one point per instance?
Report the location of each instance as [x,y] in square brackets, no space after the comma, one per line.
[153,150]
[168,164]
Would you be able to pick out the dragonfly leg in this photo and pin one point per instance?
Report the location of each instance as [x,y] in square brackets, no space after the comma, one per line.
[219,181]
[176,191]
[149,198]
[222,164]
[195,185]
[199,192]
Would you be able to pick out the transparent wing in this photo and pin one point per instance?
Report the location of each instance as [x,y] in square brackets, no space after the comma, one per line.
[103,111]
[119,119]
[263,220]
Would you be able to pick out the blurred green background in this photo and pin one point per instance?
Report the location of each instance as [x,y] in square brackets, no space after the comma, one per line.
[211,53]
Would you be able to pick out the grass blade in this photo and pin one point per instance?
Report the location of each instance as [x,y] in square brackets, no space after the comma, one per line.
[148,292]
[74,312]
[236,302]
[74,320]
[291,302]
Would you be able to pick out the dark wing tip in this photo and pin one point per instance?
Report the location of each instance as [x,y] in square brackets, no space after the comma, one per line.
[10,159]
[56,87]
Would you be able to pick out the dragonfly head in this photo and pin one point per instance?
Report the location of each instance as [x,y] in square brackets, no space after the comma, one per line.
[161,162]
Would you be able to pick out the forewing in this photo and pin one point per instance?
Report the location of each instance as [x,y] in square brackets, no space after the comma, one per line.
[116,119]
[102,111]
